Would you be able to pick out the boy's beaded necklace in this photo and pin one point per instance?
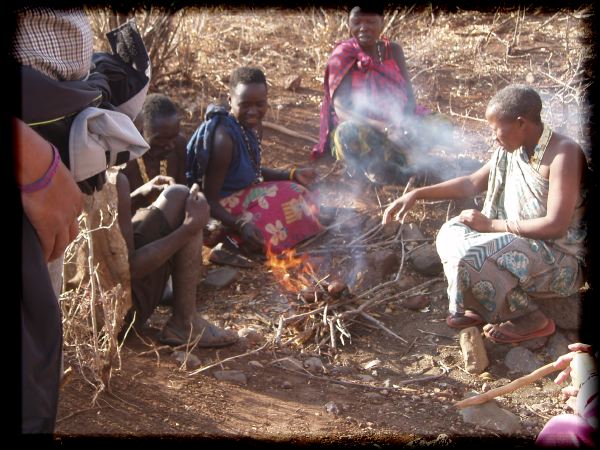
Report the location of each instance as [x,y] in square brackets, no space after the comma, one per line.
[254,156]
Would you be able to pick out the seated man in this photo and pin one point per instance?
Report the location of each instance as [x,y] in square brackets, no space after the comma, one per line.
[164,162]
[166,240]
[264,209]
[368,107]
[528,241]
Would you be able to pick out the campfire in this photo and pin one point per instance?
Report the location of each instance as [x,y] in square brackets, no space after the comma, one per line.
[297,276]
[325,305]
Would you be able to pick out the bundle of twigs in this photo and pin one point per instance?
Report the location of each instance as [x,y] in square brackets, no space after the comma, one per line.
[327,319]
[95,297]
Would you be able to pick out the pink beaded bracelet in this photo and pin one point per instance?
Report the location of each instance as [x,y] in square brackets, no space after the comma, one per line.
[47,178]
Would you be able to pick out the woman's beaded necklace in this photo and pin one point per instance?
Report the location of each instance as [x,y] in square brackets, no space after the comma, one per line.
[144,173]
[379,52]
[538,152]
[254,156]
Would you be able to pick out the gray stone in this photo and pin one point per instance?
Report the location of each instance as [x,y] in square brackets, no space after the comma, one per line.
[473,350]
[332,408]
[293,82]
[290,363]
[425,260]
[233,376]
[372,364]
[314,364]
[557,345]
[221,277]
[390,229]
[521,360]
[286,385]
[565,311]
[365,377]
[490,416]
[534,344]
[373,396]
[250,334]
[384,263]
[411,231]
[255,364]
[192,362]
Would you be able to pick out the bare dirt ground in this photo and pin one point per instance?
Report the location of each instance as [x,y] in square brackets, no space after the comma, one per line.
[457,61]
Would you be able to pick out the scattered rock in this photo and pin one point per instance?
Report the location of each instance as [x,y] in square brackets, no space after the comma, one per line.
[417,302]
[390,229]
[233,376]
[534,344]
[557,345]
[192,362]
[290,363]
[286,385]
[365,377]
[311,294]
[565,311]
[490,416]
[221,277]
[486,376]
[442,440]
[336,288]
[425,260]
[411,231]
[372,364]
[255,364]
[407,281]
[292,82]
[314,364]
[384,263]
[373,396]
[332,408]
[251,335]
[521,360]
[473,350]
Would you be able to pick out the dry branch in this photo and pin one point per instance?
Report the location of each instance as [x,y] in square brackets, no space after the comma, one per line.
[510,387]
[287,131]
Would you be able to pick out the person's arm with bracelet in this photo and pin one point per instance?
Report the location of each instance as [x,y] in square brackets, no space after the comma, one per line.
[304,176]
[219,162]
[51,199]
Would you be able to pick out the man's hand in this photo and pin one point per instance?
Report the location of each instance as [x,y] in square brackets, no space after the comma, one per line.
[475,220]
[53,212]
[147,193]
[564,362]
[305,176]
[399,207]
[197,211]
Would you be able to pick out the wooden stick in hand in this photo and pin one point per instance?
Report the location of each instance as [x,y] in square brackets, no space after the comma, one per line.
[510,387]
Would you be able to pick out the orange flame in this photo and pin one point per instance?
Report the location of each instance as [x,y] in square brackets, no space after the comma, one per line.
[284,263]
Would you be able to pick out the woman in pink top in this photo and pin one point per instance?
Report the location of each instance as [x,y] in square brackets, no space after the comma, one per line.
[368,101]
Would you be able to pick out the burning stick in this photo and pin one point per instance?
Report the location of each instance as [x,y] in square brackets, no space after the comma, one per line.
[510,387]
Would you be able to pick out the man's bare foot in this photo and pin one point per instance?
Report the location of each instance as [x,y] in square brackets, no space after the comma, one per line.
[530,326]
[200,331]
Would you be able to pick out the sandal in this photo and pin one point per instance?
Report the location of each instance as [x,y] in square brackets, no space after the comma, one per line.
[468,319]
[209,335]
[509,337]
[219,255]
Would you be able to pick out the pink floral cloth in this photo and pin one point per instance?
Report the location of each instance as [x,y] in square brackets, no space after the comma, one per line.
[283,211]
